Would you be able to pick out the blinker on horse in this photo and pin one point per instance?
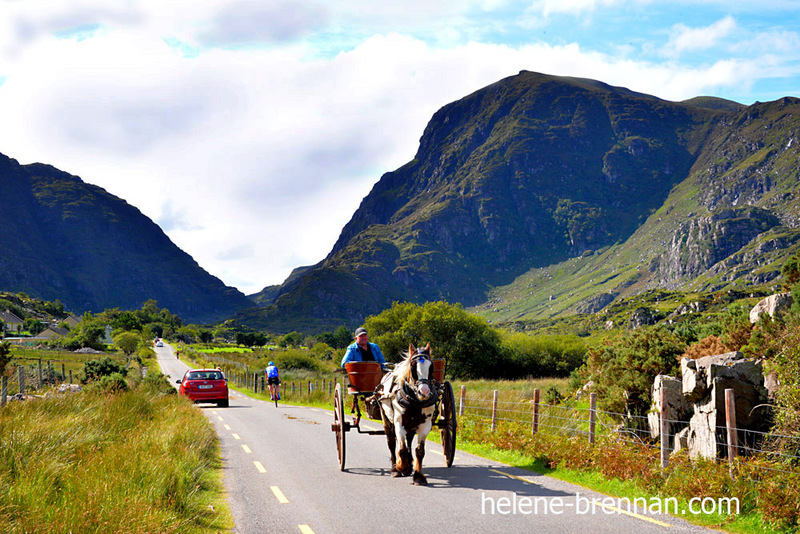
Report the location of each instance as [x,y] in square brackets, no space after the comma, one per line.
[408,397]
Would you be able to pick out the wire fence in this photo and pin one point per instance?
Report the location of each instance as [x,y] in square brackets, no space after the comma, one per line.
[772,452]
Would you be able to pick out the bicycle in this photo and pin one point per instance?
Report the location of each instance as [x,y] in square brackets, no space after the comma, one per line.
[274,392]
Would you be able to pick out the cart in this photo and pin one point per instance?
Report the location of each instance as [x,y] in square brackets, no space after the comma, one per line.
[363,378]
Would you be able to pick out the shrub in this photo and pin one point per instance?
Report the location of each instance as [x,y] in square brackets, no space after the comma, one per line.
[542,356]
[94,369]
[113,383]
[708,346]
[295,359]
[623,370]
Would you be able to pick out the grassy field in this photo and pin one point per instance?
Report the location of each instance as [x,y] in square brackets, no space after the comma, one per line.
[67,464]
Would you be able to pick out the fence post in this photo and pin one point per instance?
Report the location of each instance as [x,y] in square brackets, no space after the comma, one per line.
[494,411]
[21,375]
[292,388]
[39,375]
[730,420]
[70,376]
[664,430]
[255,382]
[535,421]
[309,387]
[324,385]
[3,390]
[461,400]
[592,415]
[63,372]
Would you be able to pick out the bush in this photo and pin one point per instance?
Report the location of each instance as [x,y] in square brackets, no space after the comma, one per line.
[541,356]
[95,369]
[113,383]
[623,370]
[294,359]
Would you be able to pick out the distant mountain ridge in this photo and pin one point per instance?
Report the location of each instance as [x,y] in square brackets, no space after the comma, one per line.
[534,171]
[68,240]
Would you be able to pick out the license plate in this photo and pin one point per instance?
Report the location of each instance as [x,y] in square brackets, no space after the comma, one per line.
[205,386]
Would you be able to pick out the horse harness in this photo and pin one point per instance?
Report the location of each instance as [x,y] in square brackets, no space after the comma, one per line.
[407,397]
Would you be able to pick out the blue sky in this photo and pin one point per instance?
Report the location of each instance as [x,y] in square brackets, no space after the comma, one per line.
[250,130]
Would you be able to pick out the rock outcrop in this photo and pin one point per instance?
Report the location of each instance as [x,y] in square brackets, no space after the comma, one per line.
[677,409]
[774,304]
[702,394]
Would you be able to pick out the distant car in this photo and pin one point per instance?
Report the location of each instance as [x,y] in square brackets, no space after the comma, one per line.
[205,385]
[159,343]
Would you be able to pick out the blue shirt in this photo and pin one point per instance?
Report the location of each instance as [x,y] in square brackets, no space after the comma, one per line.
[272,371]
[353,354]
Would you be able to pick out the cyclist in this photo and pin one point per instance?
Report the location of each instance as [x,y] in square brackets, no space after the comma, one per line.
[273,381]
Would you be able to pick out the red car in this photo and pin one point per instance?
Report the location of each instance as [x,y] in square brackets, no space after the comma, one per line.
[205,385]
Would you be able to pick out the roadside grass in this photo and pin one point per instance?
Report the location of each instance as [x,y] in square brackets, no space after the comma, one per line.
[140,461]
[623,470]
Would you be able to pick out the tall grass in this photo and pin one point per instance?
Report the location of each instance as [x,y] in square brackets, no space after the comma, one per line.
[139,461]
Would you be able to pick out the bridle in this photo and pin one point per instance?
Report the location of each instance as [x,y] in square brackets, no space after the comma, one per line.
[407,395]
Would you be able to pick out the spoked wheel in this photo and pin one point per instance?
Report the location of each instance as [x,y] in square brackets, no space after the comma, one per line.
[338,423]
[275,394]
[448,425]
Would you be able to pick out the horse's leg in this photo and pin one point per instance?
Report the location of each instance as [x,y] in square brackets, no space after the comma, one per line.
[403,451]
[422,435]
[391,437]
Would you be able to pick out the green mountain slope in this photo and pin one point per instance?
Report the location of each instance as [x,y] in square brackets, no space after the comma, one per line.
[68,240]
[731,224]
[534,170]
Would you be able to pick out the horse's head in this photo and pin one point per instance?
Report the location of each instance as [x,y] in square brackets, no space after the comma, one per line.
[420,369]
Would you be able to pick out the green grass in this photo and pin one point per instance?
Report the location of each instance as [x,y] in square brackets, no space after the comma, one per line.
[67,464]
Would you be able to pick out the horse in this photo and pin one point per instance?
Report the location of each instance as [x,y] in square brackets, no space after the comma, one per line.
[408,397]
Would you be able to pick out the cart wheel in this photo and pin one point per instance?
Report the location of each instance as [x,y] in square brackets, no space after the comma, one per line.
[338,423]
[448,426]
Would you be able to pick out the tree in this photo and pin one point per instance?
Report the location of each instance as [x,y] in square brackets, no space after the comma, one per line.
[624,369]
[34,326]
[205,336]
[5,356]
[470,345]
[127,342]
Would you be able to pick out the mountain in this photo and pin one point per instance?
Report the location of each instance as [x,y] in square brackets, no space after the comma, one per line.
[535,176]
[68,240]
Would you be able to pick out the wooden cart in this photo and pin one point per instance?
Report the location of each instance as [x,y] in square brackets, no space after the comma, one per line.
[363,378]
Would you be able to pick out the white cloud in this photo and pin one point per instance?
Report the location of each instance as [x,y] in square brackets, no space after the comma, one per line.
[685,39]
[571,7]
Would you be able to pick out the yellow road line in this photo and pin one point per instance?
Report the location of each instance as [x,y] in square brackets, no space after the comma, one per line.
[279,495]
[227,427]
[599,503]
[305,529]
[637,516]
[246,448]
[220,418]
[512,476]
[236,436]
[260,467]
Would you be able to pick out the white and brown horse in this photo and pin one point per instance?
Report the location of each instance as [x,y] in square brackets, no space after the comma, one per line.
[408,397]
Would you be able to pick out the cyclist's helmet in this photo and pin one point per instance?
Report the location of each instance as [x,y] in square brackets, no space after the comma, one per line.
[271,363]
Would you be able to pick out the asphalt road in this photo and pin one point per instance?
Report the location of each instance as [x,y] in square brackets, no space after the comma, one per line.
[282,475]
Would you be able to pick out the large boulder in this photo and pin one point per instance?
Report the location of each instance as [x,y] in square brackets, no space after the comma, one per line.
[774,304]
[676,410]
[704,382]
